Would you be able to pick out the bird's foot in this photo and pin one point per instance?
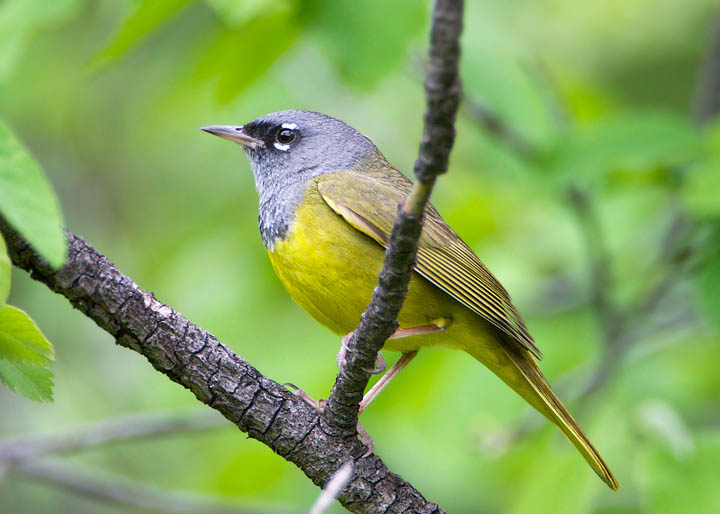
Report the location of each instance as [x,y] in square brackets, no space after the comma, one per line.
[380,364]
[319,405]
[365,439]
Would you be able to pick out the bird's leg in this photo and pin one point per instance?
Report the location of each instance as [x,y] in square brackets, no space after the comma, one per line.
[396,368]
[319,405]
[436,326]
[432,328]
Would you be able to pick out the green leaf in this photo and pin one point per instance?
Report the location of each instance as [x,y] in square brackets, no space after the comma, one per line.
[21,341]
[707,282]
[700,189]
[5,268]
[28,202]
[239,60]
[636,142]
[237,14]
[25,355]
[149,15]
[374,47]
[34,382]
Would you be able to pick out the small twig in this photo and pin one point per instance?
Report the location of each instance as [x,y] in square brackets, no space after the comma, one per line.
[554,99]
[619,336]
[379,321]
[123,428]
[332,489]
[611,321]
[481,114]
[118,489]
[621,329]
[707,96]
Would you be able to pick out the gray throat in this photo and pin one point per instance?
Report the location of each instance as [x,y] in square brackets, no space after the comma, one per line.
[278,203]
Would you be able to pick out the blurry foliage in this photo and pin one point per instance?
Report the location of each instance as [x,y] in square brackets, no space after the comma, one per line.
[146,16]
[20,19]
[108,96]
[5,270]
[364,55]
[28,203]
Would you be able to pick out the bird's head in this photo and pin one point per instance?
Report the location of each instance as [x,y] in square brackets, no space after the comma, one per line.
[288,147]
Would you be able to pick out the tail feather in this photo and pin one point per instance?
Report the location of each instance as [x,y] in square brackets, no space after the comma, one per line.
[528,381]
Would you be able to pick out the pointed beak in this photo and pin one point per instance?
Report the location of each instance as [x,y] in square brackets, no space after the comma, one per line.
[234,134]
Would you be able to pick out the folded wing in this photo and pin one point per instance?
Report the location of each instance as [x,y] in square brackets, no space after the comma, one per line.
[443,258]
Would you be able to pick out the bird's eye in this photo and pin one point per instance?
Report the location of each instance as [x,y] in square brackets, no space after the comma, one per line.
[285,136]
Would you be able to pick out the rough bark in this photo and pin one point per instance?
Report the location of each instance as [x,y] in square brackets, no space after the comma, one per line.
[195,359]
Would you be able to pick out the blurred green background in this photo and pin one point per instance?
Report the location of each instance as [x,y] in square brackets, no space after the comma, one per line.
[580,176]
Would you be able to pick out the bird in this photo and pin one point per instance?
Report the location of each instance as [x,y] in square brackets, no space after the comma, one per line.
[327,203]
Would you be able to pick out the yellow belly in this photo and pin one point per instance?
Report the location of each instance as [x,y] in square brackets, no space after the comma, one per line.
[330,269]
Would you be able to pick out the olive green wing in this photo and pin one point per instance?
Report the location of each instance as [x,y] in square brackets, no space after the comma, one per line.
[443,258]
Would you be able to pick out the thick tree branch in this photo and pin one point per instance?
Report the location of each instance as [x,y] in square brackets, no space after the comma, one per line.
[332,489]
[379,321]
[195,359]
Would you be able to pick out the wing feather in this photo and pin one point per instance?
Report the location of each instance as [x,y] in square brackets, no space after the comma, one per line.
[443,258]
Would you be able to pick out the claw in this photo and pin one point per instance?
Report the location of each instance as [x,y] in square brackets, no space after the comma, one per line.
[341,360]
[380,366]
[366,440]
[318,405]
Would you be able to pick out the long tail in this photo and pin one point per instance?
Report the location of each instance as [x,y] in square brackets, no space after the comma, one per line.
[523,375]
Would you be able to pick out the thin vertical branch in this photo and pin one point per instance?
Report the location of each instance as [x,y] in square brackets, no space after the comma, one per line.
[379,321]
[600,267]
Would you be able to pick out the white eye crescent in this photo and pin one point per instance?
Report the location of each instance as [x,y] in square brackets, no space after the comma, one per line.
[284,136]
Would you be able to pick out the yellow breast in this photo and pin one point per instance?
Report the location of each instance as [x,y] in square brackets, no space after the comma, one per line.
[330,269]
[327,266]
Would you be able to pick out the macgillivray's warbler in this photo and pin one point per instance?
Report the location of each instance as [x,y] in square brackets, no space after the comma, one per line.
[328,200]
